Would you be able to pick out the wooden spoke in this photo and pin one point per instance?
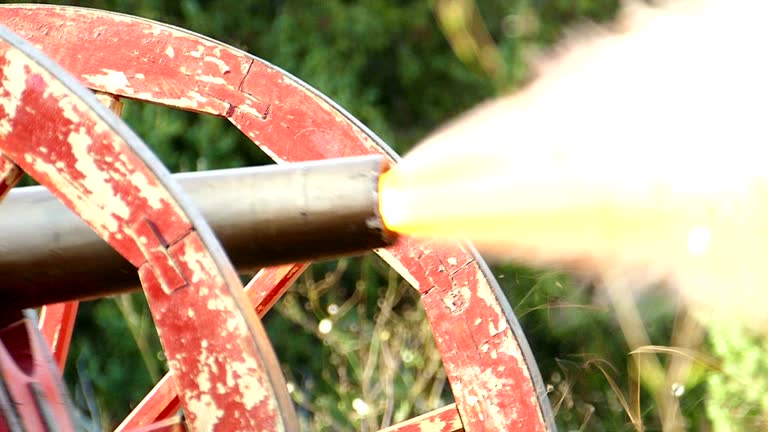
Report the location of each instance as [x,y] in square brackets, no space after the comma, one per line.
[445,419]
[57,322]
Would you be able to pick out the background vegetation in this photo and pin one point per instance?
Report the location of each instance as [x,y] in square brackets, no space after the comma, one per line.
[403,67]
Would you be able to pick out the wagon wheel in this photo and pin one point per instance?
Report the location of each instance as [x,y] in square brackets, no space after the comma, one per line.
[494,378]
[57,132]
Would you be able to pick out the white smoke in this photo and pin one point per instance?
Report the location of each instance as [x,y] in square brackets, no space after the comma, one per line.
[662,117]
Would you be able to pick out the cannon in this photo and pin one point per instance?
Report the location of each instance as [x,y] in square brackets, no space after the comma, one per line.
[180,251]
[263,216]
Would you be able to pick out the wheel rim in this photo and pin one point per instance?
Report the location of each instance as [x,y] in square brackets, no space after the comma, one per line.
[58,133]
[474,327]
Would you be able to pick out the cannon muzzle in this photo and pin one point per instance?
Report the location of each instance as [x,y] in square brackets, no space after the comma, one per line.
[263,216]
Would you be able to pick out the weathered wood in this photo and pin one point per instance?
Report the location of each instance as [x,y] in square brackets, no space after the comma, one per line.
[492,372]
[263,290]
[445,419]
[59,134]
[268,285]
[493,386]
[31,393]
[57,321]
[169,66]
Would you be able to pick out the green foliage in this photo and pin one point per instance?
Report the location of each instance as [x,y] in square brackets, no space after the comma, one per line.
[190,142]
[353,368]
[738,392]
[579,347]
[114,359]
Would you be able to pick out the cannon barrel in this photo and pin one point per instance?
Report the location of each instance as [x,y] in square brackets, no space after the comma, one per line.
[263,216]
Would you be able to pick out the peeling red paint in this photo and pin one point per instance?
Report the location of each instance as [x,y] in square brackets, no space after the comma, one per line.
[207,75]
[57,321]
[263,290]
[201,75]
[153,248]
[58,138]
[270,284]
[483,360]
[483,357]
[74,150]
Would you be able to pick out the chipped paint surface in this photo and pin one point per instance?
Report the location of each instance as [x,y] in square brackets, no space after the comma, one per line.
[110,81]
[12,87]
[219,352]
[207,413]
[251,394]
[263,290]
[489,376]
[277,112]
[68,153]
[57,137]
[207,76]
[269,284]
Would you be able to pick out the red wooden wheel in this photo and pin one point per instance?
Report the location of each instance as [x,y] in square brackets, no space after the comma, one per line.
[59,133]
[493,375]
